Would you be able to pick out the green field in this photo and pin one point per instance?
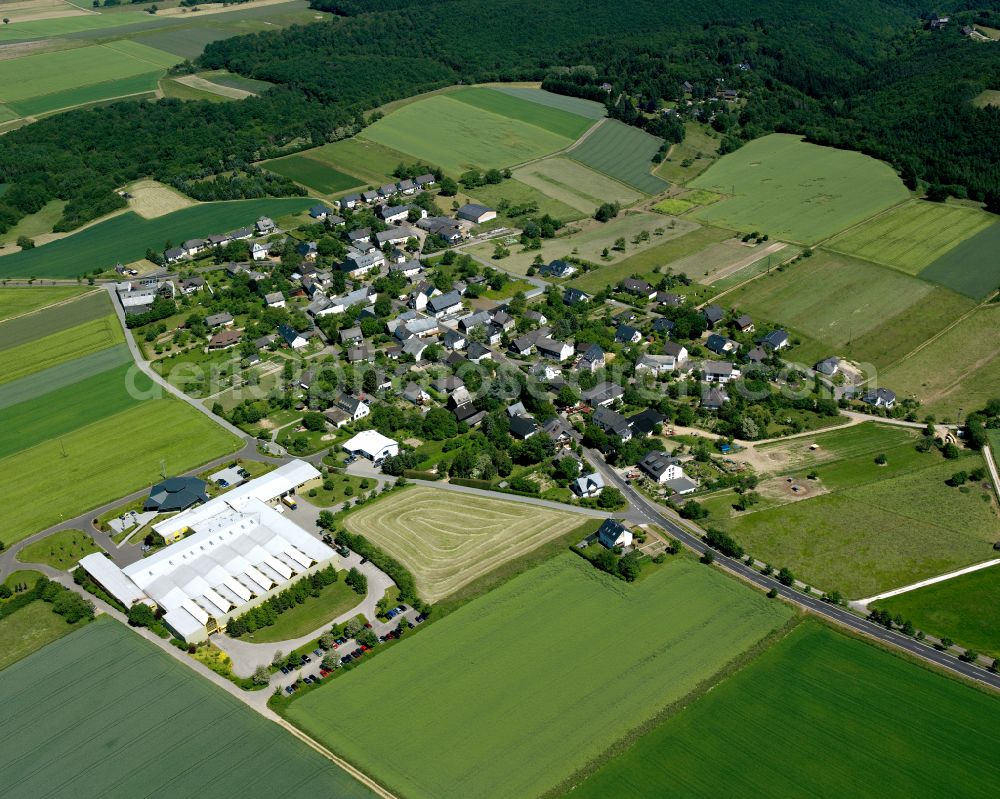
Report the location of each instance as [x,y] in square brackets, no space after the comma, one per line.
[548,671]
[49,351]
[60,550]
[875,528]
[542,115]
[22,300]
[123,719]
[65,409]
[65,374]
[959,369]
[801,192]
[913,235]
[819,714]
[963,609]
[60,478]
[972,268]
[29,629]
[60,26]
[513,193]
[623,152]
[699,150]
[574,184]
[574,105]
[333,600]
[312,174]
[590,243]
[458,136]
[32,76]
[126,237]
[32,225]
[849,307]
[29,328]
[674,206]
[223,78]
[107,90]
[371,162]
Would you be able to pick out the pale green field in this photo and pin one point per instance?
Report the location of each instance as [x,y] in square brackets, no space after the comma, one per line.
[590,243]
[913,235]
[575,184]
[795,191]
[60,347]
[15,301]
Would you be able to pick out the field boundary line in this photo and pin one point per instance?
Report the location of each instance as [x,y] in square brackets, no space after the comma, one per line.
[750,279]
[46,307]
[930,581]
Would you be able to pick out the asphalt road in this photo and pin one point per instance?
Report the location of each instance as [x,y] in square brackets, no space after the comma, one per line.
[835,613]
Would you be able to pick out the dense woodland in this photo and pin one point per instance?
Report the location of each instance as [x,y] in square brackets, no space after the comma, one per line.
[859,74]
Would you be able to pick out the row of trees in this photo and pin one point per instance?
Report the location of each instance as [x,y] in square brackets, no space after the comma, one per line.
[267,613]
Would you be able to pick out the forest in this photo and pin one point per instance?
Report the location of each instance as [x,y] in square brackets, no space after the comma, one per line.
[858,74]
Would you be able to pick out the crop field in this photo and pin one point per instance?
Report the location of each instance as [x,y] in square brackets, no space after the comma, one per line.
[862,538]
[801,192]
[312,174]
[574,184]
[61,26]
[458,136]
[29,629]
[960,369]
[971,268]
[593,239]
[448,540]
[22,300]
[58,348]
[63,410]
[368,160]
[542,115]
[151,199]
[963,609]
[574,105]
[31,78]
[913,235]
[42,382]
[517,194]
[45,321]
[549,670]
[843,305]
[92,469]
[223,78]
[144,83]
[691,157]
[623,152]
[126,237]
[818,714]
[110,693]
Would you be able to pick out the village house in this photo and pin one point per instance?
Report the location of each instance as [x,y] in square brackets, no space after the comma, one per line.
[603,394]
[275,299]
[225,339]
[612,534]
[719,371]
[588,485]
[612,423]
[476,213]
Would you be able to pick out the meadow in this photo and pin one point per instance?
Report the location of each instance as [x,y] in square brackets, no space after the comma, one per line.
[151,199]
[111,694]
[74,310]
[963,609]
[447,540]
[312,173]
[126,237]
[458,136]
[60,550]
[28,630]
[574,105]
[371,162]
[801,192]
[876,529]
[60,478]
[590,242]
[512,193]
[48,351]
[959,369]
[549,669]
[911,236]
[972,267]
[691,157]
[623,152]
[574,184]
[818,714]
[15,301]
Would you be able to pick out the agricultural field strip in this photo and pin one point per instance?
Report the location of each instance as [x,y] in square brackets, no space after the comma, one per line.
[110,695]
[65,374]
[144,83]
[547,117]
[929,582]
[574,183]
[971,267]
[313,173]
[622,152]
[54,319]
[16,302]
[49,351]
[574,105]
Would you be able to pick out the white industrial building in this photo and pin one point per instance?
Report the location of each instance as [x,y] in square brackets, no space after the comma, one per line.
[236,551]
[372,445]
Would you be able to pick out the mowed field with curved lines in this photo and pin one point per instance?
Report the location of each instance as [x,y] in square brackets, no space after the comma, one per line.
[448,539]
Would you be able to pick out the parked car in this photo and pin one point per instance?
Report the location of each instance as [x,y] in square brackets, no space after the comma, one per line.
[306,659]
[343,551]
[290,690]
[284,670]
[318,653]
[400,609]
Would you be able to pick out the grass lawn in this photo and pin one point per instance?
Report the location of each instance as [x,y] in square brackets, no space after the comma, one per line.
[866,537]
[47,321]
[448,539]
[648,262]
[126,237]
[29,629]
[341,484]
[573,183]
[913,235]
[458,136]
[543,115]
[16,301]
[699,150]
[23,577]
[312,174]
[574,105]
[593,238]
[60,550]
[963,609]
[48,351]
[311,615]
[796,191]
[368,160]
[549,670]
[961,369]
[972,267]
[623,152]
[514,193]
[109,694]
[818,714]
[86,468]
